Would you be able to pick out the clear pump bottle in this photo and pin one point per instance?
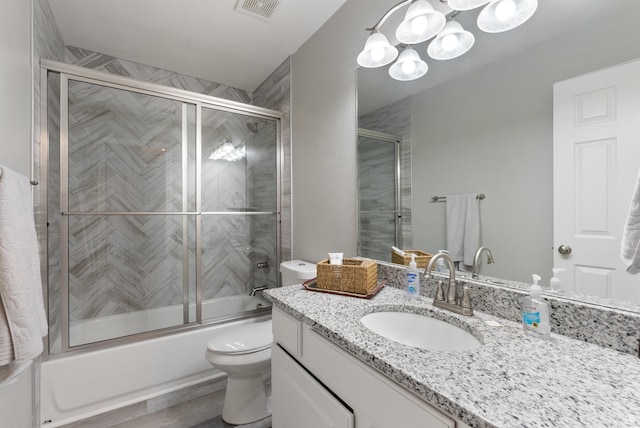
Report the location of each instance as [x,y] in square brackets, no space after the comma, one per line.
[413,279]
[535,312]
[555,284]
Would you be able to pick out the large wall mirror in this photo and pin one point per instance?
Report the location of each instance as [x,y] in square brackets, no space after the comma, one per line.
[483,123]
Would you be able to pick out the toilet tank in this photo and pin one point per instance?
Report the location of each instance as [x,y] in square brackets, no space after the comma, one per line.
[297,271]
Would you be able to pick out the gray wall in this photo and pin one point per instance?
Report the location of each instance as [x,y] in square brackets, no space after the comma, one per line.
[324,119]
[16,400]
[502,145]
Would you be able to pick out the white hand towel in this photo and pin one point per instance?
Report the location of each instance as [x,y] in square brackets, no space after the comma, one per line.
[463,228]
[23,320]
[630,248]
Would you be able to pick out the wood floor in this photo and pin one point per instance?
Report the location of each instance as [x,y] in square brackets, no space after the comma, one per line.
[219,423]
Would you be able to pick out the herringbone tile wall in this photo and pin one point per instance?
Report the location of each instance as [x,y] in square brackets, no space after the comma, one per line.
[120,264]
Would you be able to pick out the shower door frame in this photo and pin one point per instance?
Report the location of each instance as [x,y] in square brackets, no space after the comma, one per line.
[68,72]
[397,141]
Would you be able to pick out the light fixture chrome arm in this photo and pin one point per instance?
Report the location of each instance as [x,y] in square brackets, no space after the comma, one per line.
[388,14]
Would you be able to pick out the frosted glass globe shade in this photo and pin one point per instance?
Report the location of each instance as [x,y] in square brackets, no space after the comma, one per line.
[419,24]
[409,66]
[505,15]
[377,51]
[452,42]
[505,10]
[449,42]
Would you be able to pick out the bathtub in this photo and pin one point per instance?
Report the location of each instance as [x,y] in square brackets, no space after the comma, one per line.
[85,384]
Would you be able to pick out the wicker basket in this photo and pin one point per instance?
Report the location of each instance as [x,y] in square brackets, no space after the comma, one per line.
[353,276]
[422,258]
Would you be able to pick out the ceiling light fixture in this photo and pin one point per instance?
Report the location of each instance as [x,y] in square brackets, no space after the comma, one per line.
[422,22]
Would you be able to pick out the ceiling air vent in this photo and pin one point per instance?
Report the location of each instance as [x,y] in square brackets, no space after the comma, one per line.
[261,9]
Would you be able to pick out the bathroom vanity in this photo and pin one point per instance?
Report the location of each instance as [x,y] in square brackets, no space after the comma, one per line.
[328,369]
[315,381]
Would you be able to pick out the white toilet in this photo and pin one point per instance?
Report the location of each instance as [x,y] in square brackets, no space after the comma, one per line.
[244,353]
[297,272]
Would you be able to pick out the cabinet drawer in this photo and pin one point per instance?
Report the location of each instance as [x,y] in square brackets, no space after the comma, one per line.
[301,401]
[377,402]
[287,331]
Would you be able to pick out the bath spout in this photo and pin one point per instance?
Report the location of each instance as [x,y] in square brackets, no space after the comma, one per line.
[255,290]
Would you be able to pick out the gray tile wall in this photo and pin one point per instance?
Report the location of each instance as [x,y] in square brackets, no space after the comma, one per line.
[121,159]
[242,248]
[47,44]
[275,93]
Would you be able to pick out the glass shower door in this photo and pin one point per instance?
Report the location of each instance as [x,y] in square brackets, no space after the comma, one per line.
[379,217]
[127,186]
[239,189]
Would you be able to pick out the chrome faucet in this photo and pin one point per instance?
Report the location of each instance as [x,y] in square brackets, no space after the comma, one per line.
[452,303]
[254,290]
[476,261]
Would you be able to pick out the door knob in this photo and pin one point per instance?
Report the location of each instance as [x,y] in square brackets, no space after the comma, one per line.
[564,249]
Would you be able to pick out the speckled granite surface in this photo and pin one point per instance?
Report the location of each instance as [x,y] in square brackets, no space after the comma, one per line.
[511,381]
[604,322]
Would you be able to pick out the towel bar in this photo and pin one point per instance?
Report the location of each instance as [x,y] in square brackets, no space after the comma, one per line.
[444,198]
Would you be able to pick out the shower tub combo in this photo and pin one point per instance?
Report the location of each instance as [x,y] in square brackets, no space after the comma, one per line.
[163,216]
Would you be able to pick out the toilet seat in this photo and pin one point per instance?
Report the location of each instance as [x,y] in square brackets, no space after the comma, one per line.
[243,339]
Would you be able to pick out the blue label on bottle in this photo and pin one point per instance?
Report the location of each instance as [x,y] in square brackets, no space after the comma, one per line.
[412,278]
[531,319]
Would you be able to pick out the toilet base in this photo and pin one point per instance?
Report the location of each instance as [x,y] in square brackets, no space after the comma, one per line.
[245,401]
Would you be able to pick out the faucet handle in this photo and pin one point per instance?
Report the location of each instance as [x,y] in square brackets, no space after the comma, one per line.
[465,302]
[439,291]
[452,292]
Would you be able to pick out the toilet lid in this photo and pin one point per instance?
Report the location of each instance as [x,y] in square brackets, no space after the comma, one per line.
[242,339]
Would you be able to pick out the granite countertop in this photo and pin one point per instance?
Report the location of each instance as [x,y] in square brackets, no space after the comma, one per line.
[513,380]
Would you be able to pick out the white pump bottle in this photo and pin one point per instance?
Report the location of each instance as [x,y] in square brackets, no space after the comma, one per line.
[535,312]
[555,284]
[413,279]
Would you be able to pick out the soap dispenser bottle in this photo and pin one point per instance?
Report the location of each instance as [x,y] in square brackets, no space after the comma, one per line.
[535,312]
[413,279]
[555,284]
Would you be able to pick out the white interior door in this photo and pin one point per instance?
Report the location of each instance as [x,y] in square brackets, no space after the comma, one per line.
[596,161]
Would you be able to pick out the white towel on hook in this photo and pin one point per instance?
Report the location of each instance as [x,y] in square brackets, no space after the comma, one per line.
[463,228]
[23,320]
[630,248]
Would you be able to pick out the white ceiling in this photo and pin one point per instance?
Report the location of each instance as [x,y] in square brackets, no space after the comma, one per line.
[208,39]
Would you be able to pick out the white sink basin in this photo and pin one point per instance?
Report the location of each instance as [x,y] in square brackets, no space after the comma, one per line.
[420,331]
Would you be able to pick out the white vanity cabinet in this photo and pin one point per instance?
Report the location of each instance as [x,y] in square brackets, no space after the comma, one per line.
[323,381]
[300,399]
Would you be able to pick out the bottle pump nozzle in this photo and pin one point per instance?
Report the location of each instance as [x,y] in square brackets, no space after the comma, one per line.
[536,291]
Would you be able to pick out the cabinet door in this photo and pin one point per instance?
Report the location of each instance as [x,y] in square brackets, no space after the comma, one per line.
[299,400]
